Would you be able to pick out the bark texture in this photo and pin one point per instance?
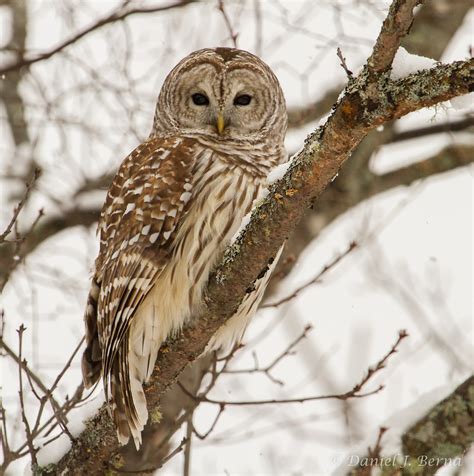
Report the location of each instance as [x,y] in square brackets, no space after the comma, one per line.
[445,433]
[442,437]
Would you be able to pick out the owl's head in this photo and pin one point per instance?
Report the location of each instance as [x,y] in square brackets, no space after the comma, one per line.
[225,93]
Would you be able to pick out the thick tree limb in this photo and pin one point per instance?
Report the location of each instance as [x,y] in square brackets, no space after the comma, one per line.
[442,437]
[446,432]
[370,100]
[439,19]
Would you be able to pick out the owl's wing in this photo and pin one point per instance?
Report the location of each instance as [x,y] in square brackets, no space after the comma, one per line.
[142,212]
[143,208]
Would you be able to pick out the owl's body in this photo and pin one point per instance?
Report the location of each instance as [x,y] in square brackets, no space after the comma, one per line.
[173,207]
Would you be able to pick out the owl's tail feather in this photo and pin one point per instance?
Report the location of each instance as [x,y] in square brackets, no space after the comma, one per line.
[129,410]
[92,356]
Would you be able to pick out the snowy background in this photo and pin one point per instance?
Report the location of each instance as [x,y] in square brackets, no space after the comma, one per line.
[412,270]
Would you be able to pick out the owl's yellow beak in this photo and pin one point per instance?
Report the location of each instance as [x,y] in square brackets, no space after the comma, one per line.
[220,124]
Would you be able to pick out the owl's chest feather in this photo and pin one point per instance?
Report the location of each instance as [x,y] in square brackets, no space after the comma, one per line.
[222,196]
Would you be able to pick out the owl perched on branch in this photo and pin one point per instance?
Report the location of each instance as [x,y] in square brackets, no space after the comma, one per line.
[172,208]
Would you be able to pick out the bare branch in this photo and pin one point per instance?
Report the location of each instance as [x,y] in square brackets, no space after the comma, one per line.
[31,375]
[16,211]
[212,427]
[267,370]
[232,33]
[343,63]
[447,159]
[352,246]
[355,392]
[394,28]
[454,126]
[117,15]
[26,424]
[44,230]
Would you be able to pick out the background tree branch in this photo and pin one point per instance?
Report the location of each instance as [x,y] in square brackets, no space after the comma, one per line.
[445,432]
[125,10]
[439,438]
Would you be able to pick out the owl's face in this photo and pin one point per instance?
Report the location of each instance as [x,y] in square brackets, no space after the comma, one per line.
[223,92]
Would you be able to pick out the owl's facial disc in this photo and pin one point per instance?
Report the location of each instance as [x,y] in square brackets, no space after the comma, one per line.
[225,103]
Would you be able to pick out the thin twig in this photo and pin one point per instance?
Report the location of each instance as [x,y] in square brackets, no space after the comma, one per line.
[376,451]
[29,437]
[343,63]
[355,392]
[20,205]
[66,365]
[211,428]
[32,377]
[352,246]
[4,432]
[17,253]
[233,35]
[267,370]
[402,334]
[177,450]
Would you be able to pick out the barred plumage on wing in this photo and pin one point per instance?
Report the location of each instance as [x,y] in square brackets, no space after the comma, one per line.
[173,206]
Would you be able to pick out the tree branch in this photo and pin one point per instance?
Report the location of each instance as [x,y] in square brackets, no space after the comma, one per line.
[118,14]
[9,86]
[447,430]
[431,22]
[370,100]
[441,437]
[447,159]
[44,230]
[455,126]
[394,28]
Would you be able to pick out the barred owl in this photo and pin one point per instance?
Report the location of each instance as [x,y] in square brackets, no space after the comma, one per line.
[173,206]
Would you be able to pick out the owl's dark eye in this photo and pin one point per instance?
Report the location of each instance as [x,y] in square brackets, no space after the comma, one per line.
[200,99]
[242,100]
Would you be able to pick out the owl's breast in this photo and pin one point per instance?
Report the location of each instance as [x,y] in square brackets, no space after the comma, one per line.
[221,196]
